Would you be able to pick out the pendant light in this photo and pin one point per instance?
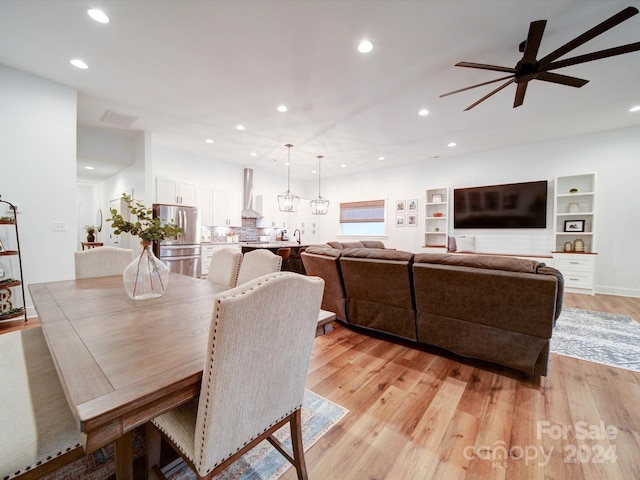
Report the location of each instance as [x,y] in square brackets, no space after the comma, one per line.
[287,201]
[319,206]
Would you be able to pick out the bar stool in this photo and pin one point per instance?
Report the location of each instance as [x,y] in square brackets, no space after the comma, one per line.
[297,261]
[285,253]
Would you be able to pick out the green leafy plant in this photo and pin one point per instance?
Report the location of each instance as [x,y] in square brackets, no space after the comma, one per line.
[90,229]
[145,226]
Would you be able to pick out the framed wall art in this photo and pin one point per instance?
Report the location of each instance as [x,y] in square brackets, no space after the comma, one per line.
[401,206]
[436,198]
[400,220]
[412,220]
[412,205]
[574,225]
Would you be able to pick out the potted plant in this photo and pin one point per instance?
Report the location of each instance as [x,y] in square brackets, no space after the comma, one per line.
[573,190]
[145,277]
[91,233]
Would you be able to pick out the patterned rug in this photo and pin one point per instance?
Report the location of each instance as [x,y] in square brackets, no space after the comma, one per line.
[263,462]
[606,338]
[319,415]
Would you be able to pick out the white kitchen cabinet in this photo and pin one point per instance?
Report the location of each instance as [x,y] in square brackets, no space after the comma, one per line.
[227,208]
[206,254]
[173,191]
[204,200]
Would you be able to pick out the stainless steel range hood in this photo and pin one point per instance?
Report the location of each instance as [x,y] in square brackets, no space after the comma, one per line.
[247,210]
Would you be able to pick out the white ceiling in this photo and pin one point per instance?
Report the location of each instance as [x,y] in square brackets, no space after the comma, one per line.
[191,70]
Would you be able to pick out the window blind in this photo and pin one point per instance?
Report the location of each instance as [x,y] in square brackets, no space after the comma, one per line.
[362,212]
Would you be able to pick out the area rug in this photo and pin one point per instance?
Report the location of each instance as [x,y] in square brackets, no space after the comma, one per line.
[263,462]
[319,415]
[607,338]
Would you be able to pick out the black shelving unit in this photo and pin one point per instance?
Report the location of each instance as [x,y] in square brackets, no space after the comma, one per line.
[11,307]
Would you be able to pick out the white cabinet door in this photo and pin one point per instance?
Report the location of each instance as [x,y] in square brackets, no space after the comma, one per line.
[188,194]
[166,190]
[227,208]
[204,200]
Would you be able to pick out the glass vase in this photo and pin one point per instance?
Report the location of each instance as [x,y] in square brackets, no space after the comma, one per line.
[146,277]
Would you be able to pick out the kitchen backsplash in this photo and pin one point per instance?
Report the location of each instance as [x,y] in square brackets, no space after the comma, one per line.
[247,233]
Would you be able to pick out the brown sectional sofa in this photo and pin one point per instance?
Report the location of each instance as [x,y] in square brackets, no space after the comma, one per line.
[492,308]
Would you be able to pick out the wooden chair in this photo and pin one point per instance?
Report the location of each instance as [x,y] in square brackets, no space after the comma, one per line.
[225,265]
[102,262]
[257,263]
[253,380]
[39,433]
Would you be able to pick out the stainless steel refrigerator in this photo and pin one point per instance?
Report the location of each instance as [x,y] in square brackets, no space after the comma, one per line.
[180,253]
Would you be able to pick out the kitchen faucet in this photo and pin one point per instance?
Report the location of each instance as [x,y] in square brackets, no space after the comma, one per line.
[294,235]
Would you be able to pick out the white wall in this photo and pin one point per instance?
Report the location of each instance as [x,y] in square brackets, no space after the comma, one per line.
[613,155]
[38,160]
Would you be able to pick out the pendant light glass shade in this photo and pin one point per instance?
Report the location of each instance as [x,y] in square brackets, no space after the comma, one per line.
[319,206]
[287,201]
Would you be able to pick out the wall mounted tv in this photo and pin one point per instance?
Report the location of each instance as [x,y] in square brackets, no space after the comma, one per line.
[513,205]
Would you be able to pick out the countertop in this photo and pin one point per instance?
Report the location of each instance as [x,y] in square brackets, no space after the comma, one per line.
[260,244]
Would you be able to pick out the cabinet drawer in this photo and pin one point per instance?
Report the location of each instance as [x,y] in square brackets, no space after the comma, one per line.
[577,279]
[574,263]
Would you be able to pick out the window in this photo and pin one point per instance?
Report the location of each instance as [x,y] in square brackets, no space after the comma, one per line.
[362,218]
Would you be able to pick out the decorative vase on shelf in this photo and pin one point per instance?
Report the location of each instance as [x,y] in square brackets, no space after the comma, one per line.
[146,277]
[91,238]
[574,207]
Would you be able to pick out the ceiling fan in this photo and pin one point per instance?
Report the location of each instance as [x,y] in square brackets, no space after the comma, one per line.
[528,68]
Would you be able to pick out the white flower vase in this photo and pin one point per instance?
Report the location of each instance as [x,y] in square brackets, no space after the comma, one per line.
[146,277]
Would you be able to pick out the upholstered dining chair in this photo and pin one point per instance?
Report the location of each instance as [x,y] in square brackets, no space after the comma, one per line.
[102,261]
[257,263]
[253,380]
[39,433]
[225,265]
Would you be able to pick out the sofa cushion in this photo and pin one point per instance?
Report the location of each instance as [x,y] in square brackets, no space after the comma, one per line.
[466,244]
[324,250]
[372,244]
[491,262]
[378,253]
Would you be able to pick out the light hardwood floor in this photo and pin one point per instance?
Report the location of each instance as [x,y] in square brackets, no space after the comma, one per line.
[415,414]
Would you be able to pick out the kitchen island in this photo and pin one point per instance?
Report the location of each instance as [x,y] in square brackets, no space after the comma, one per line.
[294,265]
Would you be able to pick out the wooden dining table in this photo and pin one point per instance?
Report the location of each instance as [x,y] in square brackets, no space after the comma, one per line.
[122,362]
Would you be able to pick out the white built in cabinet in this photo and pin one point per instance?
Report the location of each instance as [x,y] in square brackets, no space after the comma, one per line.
[227,208]
[206,254]
[574,222]
[436,219]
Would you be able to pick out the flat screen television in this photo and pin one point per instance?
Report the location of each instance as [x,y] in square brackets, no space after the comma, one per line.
[513,205]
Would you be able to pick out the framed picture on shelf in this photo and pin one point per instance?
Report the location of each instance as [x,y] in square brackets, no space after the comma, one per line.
[574,225]
[401,206]
[436,198]
[400,220]
[412,205]
[412,220]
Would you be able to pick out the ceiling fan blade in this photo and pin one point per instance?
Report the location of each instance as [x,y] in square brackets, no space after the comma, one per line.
[484,66]
[522,89]
[588,35]
[474,86]
[561,79]
[536,29]
[588,57]
[491,93]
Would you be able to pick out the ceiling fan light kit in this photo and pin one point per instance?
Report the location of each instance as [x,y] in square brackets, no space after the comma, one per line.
[529,68]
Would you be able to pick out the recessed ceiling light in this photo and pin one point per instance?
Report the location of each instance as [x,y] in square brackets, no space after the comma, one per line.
[98,15]
[282,108]
[365,46]
[635,109]
[380,158]
[343,166]
[76,62]
[254,154]
[451,144]
[239,127]
[87,167]
[423,112]
[208,140]
[314,171]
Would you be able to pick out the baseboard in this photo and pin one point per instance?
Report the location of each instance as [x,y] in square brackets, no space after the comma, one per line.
[621,292]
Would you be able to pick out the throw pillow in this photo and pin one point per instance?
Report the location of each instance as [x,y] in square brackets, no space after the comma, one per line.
[466,244]
[451,244]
